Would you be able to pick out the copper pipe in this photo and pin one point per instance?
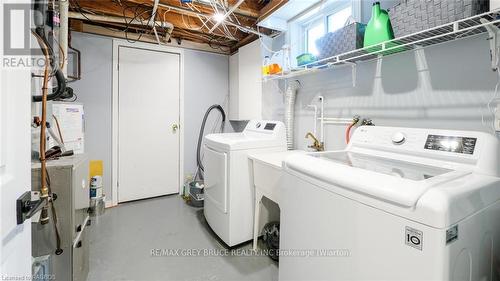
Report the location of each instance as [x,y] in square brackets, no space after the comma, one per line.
[44,190]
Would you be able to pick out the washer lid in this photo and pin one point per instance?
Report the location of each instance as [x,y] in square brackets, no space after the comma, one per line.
[239,141]
[395,181]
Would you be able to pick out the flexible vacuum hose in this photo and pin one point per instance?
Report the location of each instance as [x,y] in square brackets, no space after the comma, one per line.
[202,130]
[290,95]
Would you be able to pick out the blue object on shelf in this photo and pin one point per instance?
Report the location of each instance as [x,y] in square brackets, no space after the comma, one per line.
[306,58]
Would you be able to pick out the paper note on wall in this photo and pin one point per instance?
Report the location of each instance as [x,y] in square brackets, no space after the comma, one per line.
[72,123]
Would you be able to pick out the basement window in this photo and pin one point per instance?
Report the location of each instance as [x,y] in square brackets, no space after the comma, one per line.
[338,19]
[313,33]
[329,19]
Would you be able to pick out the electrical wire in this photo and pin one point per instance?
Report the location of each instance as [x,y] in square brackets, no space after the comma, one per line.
[58,128]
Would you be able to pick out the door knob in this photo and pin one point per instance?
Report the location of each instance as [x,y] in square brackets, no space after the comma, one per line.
[175,127]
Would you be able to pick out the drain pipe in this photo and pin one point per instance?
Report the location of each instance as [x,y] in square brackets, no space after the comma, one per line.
[290,95]
[63,33]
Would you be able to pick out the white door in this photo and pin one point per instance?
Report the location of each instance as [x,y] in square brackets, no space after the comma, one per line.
[148,121]
[15,163]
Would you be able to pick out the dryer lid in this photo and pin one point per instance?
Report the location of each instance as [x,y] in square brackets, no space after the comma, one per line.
[240,141]
[257,134]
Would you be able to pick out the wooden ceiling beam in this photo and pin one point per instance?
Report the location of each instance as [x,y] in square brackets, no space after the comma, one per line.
[270,8]
[250,38]
[191,43]
[190,23]
[176,7]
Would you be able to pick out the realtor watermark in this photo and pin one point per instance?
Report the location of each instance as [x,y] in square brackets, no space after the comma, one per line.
[20,47]
[27,277]
[249,252]
[23,62]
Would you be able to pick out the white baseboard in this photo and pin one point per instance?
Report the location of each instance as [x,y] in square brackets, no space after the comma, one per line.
[109,204]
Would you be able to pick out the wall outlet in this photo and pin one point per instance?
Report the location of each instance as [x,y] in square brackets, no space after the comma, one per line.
[497,118]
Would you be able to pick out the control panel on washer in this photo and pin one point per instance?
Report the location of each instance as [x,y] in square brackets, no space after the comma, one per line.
[455,143]
[264,126]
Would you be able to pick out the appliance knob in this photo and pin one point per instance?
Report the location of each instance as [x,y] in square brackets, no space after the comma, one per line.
[398,138]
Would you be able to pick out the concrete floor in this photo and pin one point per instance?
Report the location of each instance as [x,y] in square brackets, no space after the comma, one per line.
[122,239]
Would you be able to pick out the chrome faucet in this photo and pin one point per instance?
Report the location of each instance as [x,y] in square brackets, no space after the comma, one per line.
[317,145]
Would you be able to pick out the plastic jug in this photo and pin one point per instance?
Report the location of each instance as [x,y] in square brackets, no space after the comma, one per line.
[379,28]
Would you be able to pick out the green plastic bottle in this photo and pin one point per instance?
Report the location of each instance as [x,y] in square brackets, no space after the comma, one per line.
[379,28]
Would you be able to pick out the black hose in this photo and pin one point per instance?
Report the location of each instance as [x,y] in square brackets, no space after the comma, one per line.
[202,130]
[39,19]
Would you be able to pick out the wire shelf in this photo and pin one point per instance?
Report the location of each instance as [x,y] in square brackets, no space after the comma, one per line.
[460,29]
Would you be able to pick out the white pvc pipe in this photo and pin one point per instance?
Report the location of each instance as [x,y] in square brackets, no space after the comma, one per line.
[337,122]
[334,119]
[322,122]
[315,118]
[63,33]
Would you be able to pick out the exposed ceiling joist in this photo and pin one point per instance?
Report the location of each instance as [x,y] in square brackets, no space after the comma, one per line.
[194,21]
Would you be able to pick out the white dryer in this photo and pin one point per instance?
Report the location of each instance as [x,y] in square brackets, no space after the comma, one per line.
[397,204]
[229,195]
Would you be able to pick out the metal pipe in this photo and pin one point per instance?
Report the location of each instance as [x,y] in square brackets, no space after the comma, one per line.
[226,15]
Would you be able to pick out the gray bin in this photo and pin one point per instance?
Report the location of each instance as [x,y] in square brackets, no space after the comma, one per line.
[411,16]
[346,39]
[196,194]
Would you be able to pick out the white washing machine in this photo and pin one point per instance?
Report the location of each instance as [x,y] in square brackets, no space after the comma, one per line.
[397,204]
[229,195]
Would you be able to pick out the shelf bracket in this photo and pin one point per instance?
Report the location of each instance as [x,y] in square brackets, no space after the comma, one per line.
[493,33]
[353,72]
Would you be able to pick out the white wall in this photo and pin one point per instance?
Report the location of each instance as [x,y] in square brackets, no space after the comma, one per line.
[206,83]
[444,86]
[95,92]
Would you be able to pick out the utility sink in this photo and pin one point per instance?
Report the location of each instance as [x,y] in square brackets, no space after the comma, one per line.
[267,172]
